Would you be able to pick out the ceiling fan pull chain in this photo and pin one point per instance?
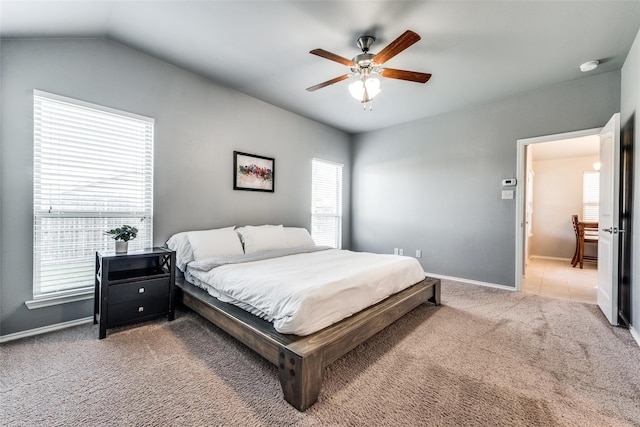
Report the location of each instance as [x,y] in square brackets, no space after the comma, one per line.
[364,106]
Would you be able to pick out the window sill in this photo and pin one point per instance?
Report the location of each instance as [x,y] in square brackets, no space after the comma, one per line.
[51,300]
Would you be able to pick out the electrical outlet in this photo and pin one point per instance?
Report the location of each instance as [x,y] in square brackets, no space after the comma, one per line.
[401,252]
[395,251]
[418,253]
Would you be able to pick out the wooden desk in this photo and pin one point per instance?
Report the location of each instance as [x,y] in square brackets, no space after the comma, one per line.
[584,232]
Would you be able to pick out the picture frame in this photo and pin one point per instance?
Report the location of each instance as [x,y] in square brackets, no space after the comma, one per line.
[253,173]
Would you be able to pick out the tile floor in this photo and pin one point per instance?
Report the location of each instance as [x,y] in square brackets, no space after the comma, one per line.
[557,279]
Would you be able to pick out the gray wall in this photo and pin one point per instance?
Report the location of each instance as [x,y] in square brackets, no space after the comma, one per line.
[198,126]
[630,105]
[435,184]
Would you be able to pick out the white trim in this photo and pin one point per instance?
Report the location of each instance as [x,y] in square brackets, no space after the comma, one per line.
[471,282]
[635,334]
[520,171]
[92,106]
[45,329]
[327,161]
[48,301]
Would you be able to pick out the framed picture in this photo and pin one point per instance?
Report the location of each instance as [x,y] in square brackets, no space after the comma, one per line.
[252,172]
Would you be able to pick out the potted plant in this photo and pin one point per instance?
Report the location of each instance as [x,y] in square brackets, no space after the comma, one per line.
[122,235]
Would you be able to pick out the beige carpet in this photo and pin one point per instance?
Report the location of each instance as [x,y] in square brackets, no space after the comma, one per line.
[486,357]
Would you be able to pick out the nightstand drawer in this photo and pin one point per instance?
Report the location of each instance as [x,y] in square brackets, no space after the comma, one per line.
[141,290]
[136,310]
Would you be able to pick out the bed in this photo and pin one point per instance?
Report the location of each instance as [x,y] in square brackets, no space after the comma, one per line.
[214,255]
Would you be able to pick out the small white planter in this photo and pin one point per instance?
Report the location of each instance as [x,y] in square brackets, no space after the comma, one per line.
[122,247]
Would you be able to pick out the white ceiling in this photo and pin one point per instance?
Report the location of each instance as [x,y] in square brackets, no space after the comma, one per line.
[478,51]
[566,148]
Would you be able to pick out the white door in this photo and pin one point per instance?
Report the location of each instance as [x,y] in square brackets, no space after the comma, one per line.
[608,219]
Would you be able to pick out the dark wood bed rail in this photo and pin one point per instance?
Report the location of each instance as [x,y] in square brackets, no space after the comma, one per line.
[302,359]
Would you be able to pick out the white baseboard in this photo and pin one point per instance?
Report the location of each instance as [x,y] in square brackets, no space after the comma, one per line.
[549,257]
[45,329]
[635,334]
[472,282]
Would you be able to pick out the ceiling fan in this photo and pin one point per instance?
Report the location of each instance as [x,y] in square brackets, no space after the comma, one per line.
[367,65]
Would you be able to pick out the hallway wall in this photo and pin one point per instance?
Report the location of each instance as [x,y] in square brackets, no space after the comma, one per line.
[557,194]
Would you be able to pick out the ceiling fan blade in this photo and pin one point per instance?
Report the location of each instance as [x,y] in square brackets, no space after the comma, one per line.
[333,57]
[395,47]
[328,82]
[412,76]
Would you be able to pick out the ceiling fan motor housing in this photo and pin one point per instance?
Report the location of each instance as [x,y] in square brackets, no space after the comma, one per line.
[364,61]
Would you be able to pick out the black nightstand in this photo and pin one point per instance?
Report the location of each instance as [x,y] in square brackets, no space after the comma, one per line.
[133,287]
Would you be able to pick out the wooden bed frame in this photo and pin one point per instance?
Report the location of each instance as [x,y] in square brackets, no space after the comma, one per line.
[301,359]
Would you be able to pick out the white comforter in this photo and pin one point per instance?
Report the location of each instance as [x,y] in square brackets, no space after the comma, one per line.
[305,292]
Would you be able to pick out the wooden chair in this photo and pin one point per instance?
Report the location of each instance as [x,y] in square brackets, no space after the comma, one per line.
[576,230]
[585,232]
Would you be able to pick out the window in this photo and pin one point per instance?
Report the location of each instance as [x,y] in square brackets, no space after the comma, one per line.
[93,171]
[590,196]
[326,203]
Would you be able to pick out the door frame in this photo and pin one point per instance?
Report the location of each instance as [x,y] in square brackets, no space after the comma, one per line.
[520,188]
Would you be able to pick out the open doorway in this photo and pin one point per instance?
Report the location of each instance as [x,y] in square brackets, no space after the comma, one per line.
[562,181]
[551,175]
[615,210]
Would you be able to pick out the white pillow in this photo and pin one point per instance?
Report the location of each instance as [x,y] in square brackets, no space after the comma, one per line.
[214,243]
[298,237]
[179,243]
[262,238]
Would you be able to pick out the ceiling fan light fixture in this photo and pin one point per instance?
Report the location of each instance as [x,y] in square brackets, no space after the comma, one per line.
[364,90]
[589,66]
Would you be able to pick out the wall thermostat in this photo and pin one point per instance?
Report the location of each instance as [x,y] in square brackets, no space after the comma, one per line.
[509,182]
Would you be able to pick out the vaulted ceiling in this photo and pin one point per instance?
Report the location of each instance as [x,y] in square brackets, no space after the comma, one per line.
[478,51]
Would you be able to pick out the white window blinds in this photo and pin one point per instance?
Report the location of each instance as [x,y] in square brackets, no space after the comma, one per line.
[326,203]
[93,171]
[590,196]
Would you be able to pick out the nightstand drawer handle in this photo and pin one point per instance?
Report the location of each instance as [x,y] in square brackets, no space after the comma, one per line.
[141,291]
[140,309]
